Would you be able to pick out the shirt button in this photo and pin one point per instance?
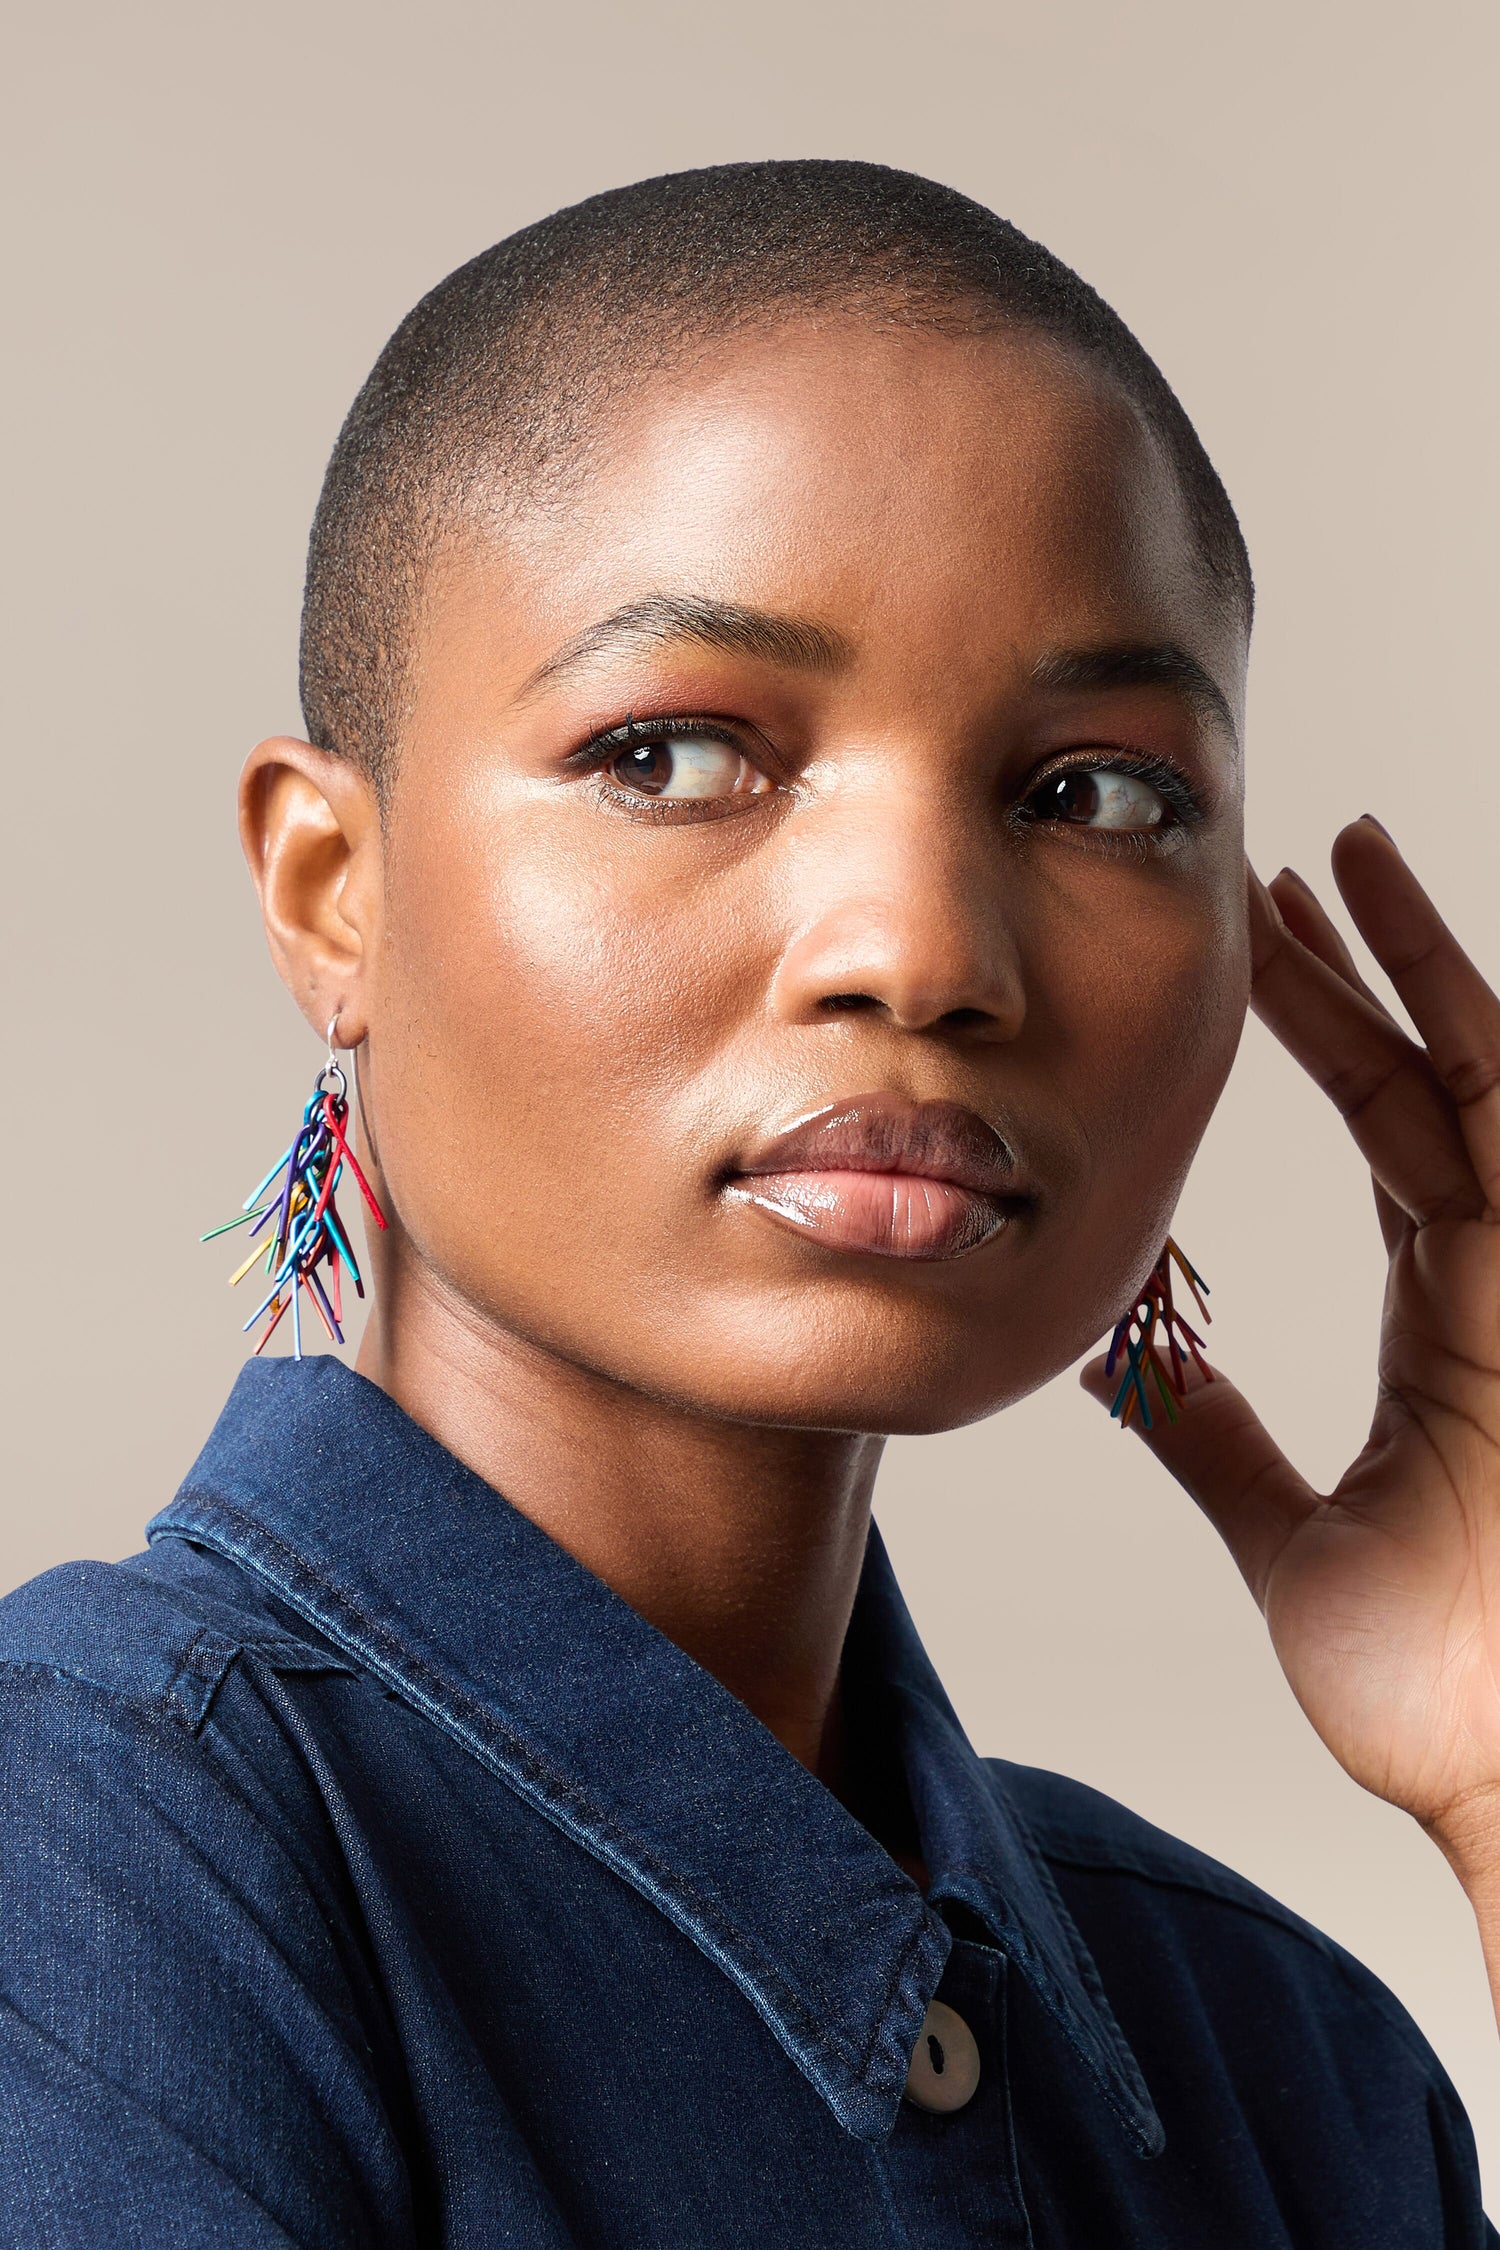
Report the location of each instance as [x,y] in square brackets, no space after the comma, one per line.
[945,2061]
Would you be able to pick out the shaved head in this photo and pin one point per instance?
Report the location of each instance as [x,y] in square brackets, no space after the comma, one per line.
[494,388]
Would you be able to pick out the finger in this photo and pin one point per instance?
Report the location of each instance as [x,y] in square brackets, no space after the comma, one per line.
[1456,1013]
[1302,911]
[1227,1461]
[1381,1082]
[1392,1220]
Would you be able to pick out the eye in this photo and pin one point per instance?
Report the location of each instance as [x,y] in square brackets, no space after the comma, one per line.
[1100,797]
[686,765]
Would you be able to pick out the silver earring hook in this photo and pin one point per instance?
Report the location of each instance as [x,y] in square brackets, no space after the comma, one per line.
[332,1073]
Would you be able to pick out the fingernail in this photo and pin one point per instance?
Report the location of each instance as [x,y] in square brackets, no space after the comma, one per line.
[1380,824]
[1290,875]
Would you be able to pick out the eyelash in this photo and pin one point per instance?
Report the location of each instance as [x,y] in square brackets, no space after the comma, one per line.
[597,754]
[1184,802]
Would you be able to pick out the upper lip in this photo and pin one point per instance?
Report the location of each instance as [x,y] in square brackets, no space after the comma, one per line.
[880,1132]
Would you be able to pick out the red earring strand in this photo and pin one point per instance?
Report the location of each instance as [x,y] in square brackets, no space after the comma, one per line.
[306,1230]
[1152,1324]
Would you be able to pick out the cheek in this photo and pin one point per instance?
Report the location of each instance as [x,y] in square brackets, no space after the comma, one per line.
[1155,1010]
[1165,1020]
[538,1008]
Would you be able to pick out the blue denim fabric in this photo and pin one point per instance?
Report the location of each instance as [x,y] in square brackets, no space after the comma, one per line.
[373,1875]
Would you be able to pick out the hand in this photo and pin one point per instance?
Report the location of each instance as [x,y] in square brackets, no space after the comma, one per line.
[1383,1596]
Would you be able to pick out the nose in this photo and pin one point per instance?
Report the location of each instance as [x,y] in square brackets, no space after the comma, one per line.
[904,913]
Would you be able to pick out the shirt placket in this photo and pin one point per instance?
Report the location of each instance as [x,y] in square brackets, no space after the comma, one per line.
[952,2172]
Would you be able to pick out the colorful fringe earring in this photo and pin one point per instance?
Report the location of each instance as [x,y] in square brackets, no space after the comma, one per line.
[295,1201]
[1154,1322]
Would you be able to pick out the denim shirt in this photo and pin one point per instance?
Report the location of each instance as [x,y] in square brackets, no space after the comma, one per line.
[373,1875]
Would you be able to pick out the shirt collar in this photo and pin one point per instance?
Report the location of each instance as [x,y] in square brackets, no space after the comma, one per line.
[317,1481]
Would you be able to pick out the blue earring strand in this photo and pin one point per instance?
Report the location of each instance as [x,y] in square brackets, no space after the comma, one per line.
[295,1201]
[1154,1322]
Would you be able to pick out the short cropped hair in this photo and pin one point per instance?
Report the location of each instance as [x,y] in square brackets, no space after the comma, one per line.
[495,381]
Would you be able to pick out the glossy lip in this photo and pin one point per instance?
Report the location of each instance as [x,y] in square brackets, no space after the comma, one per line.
[886,1176]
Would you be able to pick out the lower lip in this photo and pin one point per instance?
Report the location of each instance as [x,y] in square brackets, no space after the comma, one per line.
[883,1214]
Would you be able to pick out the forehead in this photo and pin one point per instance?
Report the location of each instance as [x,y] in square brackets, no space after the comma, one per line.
[931,497]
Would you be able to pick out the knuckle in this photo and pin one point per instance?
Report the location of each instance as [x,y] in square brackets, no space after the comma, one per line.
[1474,1079]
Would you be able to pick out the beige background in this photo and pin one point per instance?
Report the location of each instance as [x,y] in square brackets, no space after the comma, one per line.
[223,213]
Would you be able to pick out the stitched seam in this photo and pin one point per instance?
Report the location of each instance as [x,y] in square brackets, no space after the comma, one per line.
[413,1677]
[1034,1966]
[142,1707]
[1373,1993]
[1088,1976]
[145,1723]
[1117,2073]
[914,1945]
[133,2102]
[176,1705]
[1225,1890]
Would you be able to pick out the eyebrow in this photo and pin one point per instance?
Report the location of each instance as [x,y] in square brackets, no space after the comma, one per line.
[1134,664]
[801,644]
[660,620]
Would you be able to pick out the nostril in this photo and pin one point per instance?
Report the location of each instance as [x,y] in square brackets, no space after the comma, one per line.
[847,1003]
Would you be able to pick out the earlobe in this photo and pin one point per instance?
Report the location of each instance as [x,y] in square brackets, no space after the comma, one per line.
[310,829]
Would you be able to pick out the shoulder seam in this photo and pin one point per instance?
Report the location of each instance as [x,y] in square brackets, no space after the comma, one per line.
[141,1707]
[1227,1888]
[187,1694]
[1233,1892]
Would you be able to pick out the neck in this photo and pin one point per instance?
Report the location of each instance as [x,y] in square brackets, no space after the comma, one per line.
[742,1543]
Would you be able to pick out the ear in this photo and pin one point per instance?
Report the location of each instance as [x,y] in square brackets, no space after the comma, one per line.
[310,827]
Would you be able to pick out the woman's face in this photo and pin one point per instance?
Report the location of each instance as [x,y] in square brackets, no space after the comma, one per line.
[849,745]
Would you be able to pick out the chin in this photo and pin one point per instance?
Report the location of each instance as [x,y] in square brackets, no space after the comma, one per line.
[887,1386]
[872,1409]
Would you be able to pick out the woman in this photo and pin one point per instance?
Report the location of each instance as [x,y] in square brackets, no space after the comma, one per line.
[770,834]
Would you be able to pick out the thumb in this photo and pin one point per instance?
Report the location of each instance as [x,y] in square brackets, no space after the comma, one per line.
[1226,1460]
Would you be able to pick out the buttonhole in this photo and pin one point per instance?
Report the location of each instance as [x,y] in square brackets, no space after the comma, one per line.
[935,2052]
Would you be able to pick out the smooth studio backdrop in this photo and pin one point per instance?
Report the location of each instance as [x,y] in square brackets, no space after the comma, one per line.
[218,215]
